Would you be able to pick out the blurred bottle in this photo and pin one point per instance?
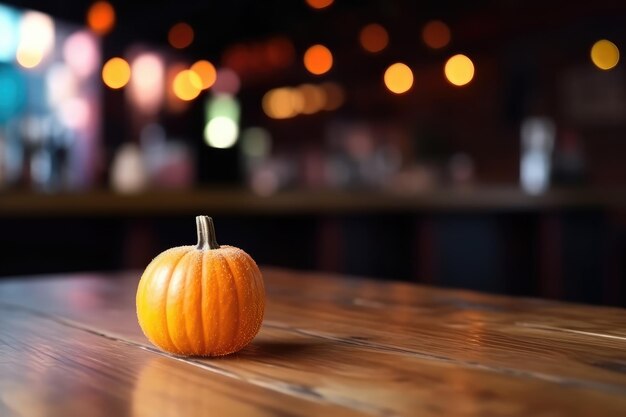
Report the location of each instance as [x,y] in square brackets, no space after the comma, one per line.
[537,134]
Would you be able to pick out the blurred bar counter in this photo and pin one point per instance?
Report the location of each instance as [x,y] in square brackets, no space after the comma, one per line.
[244,202]
[564,244]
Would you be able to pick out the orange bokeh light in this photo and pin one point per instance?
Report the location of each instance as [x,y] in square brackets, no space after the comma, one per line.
[374,38]
[436,34]
[180,35]
[116,73]
[318,59]
[187,85]
[398,78]
[319,4]
[101,17]
[207,73]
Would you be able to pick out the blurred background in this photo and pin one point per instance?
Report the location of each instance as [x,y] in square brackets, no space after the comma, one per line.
[473,144]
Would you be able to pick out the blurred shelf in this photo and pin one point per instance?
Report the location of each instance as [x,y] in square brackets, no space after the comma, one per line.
[244,202]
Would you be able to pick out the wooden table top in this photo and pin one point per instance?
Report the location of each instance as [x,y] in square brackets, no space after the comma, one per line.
[330,345]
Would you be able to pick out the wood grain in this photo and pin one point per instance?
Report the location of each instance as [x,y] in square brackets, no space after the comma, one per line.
[350,346]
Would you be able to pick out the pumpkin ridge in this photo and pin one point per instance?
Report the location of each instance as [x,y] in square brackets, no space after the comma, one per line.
[202,284]
[149,279]
[167,302]
[236,289]
[190,343]
[259,309]
[216,305]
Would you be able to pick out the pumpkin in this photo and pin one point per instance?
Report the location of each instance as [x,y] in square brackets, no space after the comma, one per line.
[205,300]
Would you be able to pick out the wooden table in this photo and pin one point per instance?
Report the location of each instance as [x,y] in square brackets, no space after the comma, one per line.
[329,346]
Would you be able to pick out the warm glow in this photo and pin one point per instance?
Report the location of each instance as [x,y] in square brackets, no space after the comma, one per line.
[604,54]
[436,34]
[374,38]
[28,58]
[36,39]
[221,132]
[207,73]
[398,78]
[313,97]
[281,103]
[187,85]
[459,70]
[146,82]
[173,103]
[318,59]
[180,35]
[101,17]
[319,4]
[80,51]
[335,95]
[116,73]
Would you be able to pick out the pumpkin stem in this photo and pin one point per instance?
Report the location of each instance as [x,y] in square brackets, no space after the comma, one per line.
[206,233]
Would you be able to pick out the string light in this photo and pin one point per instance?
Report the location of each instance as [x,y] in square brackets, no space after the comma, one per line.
[207,73]
[180,35]
[187,85]
[319,4]
[101,17]
[459,70]
[116,73]
[374,38]
[436,34]
[604,54]
[318,59]
[398,78]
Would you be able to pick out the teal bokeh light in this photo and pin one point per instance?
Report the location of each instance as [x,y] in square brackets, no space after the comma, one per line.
[9,33]
[12,92]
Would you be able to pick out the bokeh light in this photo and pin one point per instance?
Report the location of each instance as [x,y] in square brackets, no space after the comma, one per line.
[61,84]
[436,34]
[28,58]
[335,95]
[278,104]
[180,35]
[227,82]
[116,73]
[81,53]
[187,85]
[313,97]
[206,71]
[101,17]
[75,113]
[374,38]
[256,142]
[459,70]
[9,33]
[13,97]
[318,59]
[280,52]
[398,78]
[604,54]
[223,105]
[221,132]
[146,82]
[319,4]
[173,103]
[36,39]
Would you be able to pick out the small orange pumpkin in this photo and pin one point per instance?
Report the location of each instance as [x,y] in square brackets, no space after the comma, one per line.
[203,300]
